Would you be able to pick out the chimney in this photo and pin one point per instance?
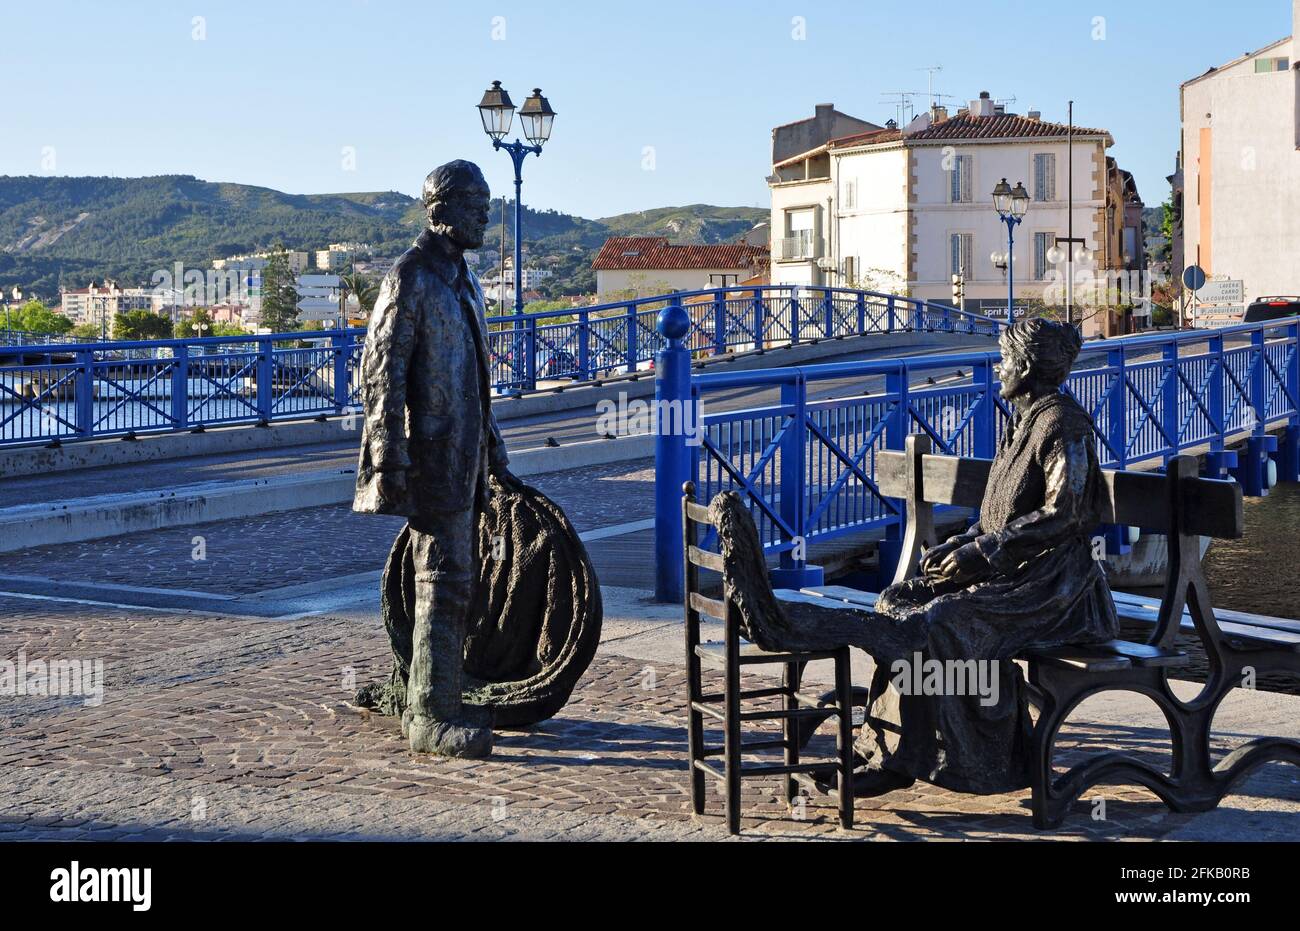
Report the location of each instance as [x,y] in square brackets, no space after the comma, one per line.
[1034,115]
[984,105]
[938,114]
[823,111]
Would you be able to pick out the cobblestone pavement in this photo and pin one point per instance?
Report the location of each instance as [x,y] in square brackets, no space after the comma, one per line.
[259,553]
[238,728]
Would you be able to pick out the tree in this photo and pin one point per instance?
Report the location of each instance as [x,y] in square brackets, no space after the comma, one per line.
[35,317]
[141,324]
[201,318]
[279,294]
[364,288]
[86,332]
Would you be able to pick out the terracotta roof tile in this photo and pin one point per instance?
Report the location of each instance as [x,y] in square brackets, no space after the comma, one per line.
[634,253]
[1004,126]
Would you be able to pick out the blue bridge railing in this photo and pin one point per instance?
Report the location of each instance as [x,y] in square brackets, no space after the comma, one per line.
[67,391]
[806,466]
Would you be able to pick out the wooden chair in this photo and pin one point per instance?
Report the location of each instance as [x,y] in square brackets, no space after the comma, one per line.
[731,655]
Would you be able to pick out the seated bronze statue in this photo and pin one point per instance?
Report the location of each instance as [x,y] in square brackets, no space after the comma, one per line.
[1023,576]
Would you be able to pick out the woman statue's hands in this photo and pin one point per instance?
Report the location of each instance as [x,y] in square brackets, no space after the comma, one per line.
[963,565]
[932,558]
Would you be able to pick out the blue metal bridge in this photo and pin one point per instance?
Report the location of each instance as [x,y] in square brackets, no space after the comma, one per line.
[68,391]
[807,468]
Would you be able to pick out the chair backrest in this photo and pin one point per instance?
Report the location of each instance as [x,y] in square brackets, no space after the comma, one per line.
[1178,503]
[748,603]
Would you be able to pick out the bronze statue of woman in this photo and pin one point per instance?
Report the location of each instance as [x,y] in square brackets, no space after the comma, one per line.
[1024,575]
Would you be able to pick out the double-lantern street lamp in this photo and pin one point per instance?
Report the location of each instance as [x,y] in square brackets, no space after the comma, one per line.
[497,113]
[1011,204]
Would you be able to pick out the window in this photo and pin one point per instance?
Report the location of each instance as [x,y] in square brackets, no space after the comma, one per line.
[961,248]
[1045,176]
[850,195]
[959,176]
[1043,243]
[1269,65]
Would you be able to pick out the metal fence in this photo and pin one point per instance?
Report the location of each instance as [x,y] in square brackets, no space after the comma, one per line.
[77,391]
[807,467]
[84,390]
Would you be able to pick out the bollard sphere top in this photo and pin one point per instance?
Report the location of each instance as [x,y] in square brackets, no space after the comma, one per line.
[673,322]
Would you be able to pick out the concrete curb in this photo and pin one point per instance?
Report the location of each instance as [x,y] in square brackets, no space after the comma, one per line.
[96,518]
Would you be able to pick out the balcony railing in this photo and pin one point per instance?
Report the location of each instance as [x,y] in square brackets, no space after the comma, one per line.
[797,248]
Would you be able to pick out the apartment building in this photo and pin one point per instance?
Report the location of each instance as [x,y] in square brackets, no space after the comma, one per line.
[904,209]
[1240,170]
[90,304]
[652,265]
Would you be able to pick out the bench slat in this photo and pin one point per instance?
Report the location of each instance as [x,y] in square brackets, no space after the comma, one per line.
[710,606]
[1211,507]
[704,558]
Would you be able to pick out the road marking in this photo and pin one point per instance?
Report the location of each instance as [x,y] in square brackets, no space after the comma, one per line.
[616,530]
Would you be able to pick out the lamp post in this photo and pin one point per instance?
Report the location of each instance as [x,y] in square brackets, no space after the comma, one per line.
[497,112]
[1011,204]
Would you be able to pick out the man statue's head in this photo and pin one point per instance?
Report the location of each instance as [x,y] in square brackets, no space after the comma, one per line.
[456,197]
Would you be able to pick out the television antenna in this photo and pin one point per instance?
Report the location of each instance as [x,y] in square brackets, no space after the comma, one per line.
[932,70]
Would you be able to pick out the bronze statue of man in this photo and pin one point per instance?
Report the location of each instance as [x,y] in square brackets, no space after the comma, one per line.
[429,443]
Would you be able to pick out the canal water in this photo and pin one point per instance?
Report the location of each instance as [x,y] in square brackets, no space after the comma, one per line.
[1258,574]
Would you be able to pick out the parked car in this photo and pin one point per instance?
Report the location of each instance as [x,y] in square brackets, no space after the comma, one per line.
[1271,308]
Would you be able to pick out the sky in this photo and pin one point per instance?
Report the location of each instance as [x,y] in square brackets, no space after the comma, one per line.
[659,103]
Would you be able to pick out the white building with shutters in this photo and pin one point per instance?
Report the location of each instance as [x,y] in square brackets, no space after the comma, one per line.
[904,210]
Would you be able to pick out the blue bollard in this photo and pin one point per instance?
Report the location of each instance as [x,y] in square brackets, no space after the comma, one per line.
[1252,471]
[1219,463]
[1288,456]
[672,454]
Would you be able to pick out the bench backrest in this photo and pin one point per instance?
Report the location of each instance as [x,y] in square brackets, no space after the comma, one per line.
[1178,503]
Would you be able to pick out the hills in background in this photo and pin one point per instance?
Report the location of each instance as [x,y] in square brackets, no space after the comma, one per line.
[69,231]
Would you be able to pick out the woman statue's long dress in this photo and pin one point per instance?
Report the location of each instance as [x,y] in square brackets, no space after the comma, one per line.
[1025,575]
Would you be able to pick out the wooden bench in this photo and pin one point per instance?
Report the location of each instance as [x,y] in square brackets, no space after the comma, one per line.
[1182,506]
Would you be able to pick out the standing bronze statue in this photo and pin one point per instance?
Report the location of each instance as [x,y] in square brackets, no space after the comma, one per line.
[429,443]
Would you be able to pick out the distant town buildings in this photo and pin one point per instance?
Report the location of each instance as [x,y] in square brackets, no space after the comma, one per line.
[905,209]
[652,265]
[1237,187]
[339,255]
[299,261]
[96,303]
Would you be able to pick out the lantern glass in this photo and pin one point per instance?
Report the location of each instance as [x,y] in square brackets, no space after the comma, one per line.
[537,117]
[1002,197]
[1019,200]
[496,111]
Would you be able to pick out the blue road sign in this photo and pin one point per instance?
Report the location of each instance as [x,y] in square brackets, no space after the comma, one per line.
[1193,278]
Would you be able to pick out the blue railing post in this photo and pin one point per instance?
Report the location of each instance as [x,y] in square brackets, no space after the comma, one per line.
[672,454]
[890,549]
[828,314]
[265,379]
[918,316]
[632,337]
[1289,458]
[85,392]
[760,315]
[1218,460]
[719,324]
[1170,421]
[985,421]
[180,387]
[794,317]
[342,354]
[1117,409]
[584,346]
[889,313]
[794,570]
[860,305]
[1254,472]
[530,361]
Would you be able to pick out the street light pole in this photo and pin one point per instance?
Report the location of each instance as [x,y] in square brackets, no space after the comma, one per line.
[1011,205]
[497,112]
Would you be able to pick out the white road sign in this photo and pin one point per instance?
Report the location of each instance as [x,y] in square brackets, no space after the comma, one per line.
[1222,292]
